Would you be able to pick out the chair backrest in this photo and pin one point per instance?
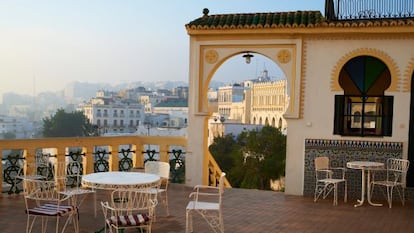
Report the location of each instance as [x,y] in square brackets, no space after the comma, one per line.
[159,168]
[40,190]
[321,163]
[125,201]
[68,173]
[38,168]
[397,170]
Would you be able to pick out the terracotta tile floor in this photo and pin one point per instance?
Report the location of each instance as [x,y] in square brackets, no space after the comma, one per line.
[246,211]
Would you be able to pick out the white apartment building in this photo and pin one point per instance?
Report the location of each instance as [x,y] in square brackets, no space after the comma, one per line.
[15,126]
[269,102]
[261,101]
[177,111]
[228,97]
[112,114]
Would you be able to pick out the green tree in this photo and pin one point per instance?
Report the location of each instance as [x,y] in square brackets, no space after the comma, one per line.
[64,124]
[228,155]
[253,159]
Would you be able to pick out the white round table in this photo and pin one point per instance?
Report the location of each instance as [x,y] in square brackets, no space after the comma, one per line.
[365,166]
[116,179]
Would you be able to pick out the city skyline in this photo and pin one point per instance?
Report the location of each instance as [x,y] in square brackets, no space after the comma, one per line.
[46,45]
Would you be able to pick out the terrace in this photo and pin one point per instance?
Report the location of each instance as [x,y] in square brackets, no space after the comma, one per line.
[246,211]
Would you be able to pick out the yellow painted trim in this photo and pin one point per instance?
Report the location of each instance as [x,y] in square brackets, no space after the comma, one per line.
[346,27]
[292,87]
[303,78]
[204,81]
[391,64]
[206,152]
[200,80]
[406,82]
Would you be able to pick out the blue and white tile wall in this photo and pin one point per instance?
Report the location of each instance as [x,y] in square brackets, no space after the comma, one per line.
[342,151]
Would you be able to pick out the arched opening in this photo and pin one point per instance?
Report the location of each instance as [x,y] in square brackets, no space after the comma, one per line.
[363,109]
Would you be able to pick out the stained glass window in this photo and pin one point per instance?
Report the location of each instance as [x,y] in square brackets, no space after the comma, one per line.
[364,110]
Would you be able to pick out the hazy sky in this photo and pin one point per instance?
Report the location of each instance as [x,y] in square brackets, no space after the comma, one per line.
[45,44]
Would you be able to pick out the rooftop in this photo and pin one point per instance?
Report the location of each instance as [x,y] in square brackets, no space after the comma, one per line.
[295,19]
[245,211]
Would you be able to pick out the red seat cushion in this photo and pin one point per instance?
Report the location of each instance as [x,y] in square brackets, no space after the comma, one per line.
[128,220]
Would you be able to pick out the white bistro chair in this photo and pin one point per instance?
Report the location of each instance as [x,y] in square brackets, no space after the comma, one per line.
[69,174]
[43,200]
[327,179]
[396,172]
[207,201]
[129,208]
[161,169]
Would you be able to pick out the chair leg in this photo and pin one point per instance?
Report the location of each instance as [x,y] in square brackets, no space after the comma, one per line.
[346,192]
[389,196]
[335,194]
[188,222]
[166,204]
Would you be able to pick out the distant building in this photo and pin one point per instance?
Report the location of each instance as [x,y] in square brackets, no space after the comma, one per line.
[228,97]
[112,114]
[177,111]
[260,101]
[269,102]
[15,127]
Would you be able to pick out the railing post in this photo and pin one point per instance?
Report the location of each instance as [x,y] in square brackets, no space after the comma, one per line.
[138,158]
[164,153]
[113,157]
[87,160]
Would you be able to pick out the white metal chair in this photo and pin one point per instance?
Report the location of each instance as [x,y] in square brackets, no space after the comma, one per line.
[70,175]
[327,179]
[207,201]
[129,208]
[163,170]
[396,171]
[43,200]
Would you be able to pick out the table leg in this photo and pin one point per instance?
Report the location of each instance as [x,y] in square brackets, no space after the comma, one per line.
[369,190]
[360,202]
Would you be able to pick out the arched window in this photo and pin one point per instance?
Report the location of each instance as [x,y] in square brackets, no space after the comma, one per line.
[364,110]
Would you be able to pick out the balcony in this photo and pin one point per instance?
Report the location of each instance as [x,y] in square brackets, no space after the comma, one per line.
[368,9]
[98,154]
[244,211]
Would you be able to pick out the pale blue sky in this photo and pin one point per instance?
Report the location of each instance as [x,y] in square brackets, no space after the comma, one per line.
[55,42]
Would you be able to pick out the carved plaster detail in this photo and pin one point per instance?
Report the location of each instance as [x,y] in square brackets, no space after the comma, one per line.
[406,82]
[211,56]
[284,56]
[303,79]
[384,57]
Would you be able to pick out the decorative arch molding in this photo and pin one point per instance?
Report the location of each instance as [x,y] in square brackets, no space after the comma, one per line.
[391,64]
[406,82]
[284,53]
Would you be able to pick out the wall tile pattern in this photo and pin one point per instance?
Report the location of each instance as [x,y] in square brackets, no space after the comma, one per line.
[342,151]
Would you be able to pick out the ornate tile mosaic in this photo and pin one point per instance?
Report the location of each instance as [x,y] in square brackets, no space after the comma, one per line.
[342,151]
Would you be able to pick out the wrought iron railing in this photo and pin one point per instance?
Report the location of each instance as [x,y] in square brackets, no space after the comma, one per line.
[368,9]
[95,154]
[98,154]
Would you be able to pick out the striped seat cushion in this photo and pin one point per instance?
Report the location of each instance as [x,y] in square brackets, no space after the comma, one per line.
[51,209]
[128,220]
